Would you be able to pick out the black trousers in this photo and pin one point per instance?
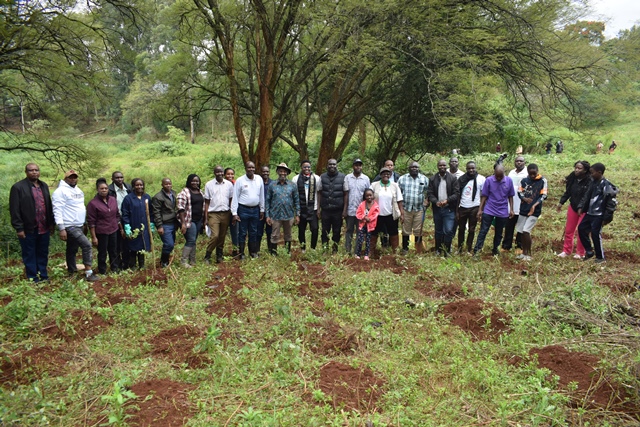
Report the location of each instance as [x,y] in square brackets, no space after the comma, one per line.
[331,223]
[122,251]
[107,245]
[507,242]
[308,217]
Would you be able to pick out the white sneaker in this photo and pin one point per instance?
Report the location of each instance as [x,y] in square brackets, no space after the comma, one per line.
[526,258]
[563,254]
[520,256]
[576,256]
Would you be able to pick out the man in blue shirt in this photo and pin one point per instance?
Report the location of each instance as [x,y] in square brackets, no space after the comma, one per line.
[282,208]
[414,187]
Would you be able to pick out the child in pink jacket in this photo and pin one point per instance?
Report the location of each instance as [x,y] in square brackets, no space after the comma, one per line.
[367,215]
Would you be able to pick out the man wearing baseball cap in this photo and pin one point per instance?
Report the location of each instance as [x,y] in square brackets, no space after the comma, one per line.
[70,213]
[356,182]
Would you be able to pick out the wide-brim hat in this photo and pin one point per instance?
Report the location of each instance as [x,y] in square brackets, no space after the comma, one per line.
[385,169]
[283,166]
[70,173]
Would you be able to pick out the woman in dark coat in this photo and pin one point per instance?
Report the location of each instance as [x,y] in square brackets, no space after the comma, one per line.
[577,184]
[134,218]
[103,220]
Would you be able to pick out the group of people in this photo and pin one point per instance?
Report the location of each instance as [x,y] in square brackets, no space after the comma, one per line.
[121,218]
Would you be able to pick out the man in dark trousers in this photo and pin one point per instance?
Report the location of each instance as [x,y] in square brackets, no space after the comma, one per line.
[443,193]
[32,218]
[165,217]
[598,203]
[120,189]
[308,185]
[333,200]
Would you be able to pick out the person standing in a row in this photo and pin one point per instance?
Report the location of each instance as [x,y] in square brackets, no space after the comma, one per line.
[356,182]
[443,193]
[103,220]
[282,208]
[308,184]
[333,198]
[577,185]
[414,187]
[191,211]
[120,189]
[247,208]
[470,184]
[165,217]
[218,194]
[136,225]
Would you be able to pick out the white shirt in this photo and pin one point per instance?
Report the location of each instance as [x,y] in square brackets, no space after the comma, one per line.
[218,195]
[384,196]
[121,193]
[248,192]
[68,206]
[458,173]
[306,190]
[467,192]
[516,177]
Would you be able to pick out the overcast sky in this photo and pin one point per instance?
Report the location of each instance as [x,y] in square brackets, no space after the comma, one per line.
[618,14]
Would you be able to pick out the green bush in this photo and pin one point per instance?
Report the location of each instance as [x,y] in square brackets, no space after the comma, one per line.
[146,134]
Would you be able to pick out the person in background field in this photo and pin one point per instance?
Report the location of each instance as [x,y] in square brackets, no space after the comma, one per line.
[264,226]
[496,204]
[282,208]
[103,220]
[120,189]
[367,214]
[547,148]
[218,194]
[247,208]
[599,147]
[356,182]
[308,184]
[165,218]
[395,176]
[577,184]
[598,204]
[191,213]
[443,193]
[333,200]
[470,185]
[389,198]
[612,147]
[453,167]
[70,214]
[515,175]
[532,192]
[413,186]
[32,218]
[234,227]
[136,228]
[559,147]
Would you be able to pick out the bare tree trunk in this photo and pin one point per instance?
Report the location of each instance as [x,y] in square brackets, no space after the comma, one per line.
[22,115]
[191,123]
[362,137]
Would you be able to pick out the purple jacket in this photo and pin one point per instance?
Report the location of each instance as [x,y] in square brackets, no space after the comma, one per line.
[103,216]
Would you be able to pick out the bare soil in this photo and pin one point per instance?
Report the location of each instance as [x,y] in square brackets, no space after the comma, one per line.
[160,403]
[333,340]
[351,388]
[147,277]
[224,290]
[468,316]
[440,290]
[176,345]
[79,324]
[23,367]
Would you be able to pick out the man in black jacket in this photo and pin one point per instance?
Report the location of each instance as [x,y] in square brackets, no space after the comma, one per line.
[333,199]
[32,218]
[443,192]
[165,217]
[119,189]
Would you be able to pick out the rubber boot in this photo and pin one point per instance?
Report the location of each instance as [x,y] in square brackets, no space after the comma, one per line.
[240,255]
[447,249]
[405,244]
[164,260]
[207,257]
[288,246]
[219,255]
[184,260]
[192,256]
[395,242]
[273,248]
[253,249]
[438,246]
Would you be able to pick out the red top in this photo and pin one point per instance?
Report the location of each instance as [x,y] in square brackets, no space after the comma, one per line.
[103,215]
[373,215]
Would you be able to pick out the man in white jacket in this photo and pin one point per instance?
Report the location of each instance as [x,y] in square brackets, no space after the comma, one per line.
[70,212]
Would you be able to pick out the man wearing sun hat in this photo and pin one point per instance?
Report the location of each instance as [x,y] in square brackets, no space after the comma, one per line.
[282,208]
[70,213]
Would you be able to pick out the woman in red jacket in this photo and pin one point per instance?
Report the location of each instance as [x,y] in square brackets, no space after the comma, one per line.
[103,220]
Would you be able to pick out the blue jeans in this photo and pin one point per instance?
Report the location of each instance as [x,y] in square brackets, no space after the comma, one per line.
[76,239]
[192,234]
[249,223]
[169,238]
[35,255]
[444,220]
[485,226]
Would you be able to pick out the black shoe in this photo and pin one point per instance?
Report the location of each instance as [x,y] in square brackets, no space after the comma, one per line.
[92,278]
[588,256]
[600,261]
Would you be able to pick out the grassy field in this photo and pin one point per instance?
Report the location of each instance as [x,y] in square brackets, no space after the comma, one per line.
[318,340]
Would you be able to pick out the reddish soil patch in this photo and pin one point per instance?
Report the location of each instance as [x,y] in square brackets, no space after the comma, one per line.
[468,316]
[440,291]
[353,389]
[161,403]
[312,270]
[176,345]
[313,287]
[147,277]
[224,289]
[80,324]
[387,262]
[23,367]
[593,388]
[619,282]
[329,339]
[104,291]
[5,300]
[629,257]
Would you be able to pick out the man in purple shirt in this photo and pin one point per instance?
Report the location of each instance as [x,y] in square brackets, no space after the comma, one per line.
[496,191]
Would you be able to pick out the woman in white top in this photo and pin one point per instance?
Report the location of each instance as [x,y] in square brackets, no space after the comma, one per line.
[389,198]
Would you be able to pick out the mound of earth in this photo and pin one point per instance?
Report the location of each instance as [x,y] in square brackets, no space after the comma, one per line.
[440,291]
[312,270]
[160,403]
[350,388]
[176,345]
[468,315]
[329,339]
[80,324]
[22,367]
[225,289]
[593,387]
[147,277]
